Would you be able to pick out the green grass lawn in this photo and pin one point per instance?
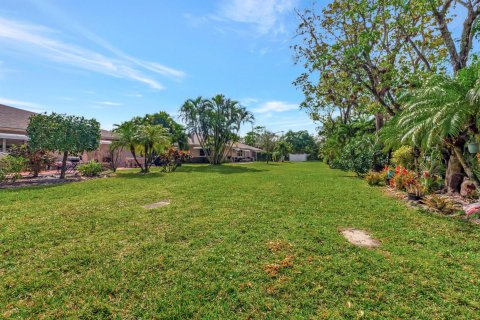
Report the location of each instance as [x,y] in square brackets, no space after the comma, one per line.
[237,241]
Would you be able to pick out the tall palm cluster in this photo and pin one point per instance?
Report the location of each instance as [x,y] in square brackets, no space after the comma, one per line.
[142,139]
[443,112]
[216,123]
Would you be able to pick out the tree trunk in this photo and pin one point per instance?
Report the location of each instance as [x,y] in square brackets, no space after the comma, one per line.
[454,174]
[132,151]
[64,165]
[379,121]
[466,167]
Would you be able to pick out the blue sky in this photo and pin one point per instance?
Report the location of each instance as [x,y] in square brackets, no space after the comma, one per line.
[113,60]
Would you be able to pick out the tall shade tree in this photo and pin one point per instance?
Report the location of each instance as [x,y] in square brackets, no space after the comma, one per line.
[445,111]
[358,54]
[176,130]
[151,140]
[216,122]
[63,133]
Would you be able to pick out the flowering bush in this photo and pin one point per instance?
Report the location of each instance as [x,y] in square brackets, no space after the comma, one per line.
[172,158]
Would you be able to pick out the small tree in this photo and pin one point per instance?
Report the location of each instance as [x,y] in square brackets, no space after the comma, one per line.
[114,155]
[283,148]
[266,141]
[63,133]
[151,141]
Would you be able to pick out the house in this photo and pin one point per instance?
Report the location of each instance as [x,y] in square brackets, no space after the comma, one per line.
[13,131]
[239,151]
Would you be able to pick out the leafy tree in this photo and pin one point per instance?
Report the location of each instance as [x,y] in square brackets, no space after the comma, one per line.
[63,133]
[283,148]
[251,137]
[301,142]
[358,54]
[266,140]
[216,123]
[176,130]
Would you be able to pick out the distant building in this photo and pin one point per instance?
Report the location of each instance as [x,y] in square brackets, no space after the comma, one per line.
[239,151]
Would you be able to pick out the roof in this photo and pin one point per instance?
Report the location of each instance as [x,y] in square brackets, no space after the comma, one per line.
[17,119]
[194,141]
[14,118]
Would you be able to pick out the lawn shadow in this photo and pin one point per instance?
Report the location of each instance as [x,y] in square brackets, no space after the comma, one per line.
[138,175]
[222,169]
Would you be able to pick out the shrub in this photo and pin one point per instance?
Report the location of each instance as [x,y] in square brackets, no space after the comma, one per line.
[36,160]
[172,158]
[404,157]
[90,169]
[375,178]
[360,155]
[11,167]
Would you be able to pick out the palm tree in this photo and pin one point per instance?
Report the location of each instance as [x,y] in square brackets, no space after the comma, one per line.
[216,123]
[151,140]
[126,138]
[443,111]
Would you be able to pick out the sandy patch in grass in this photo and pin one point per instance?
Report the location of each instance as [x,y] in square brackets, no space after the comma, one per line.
[360,238]
[157,205]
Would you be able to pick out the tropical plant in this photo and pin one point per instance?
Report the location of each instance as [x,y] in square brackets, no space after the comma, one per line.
[404,157]
[63,133]
[445,111]
[114,155]
[171,159]
[375,178]
[126,137]
[151,140]
[360,155]
[216,123]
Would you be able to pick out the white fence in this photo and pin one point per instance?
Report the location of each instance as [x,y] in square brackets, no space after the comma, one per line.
[297,157]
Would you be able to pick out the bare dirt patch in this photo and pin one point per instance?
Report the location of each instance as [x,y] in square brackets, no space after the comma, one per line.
[360,238]
[157,205]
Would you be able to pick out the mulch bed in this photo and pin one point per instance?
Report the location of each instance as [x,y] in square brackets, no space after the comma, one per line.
[44,180]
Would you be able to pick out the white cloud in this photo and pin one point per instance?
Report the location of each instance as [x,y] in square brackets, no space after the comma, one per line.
[267,15]
[109,103]
[30,106]
[275,106]
[35,39]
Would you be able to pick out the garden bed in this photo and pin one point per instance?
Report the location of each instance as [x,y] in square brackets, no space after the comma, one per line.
[50,179]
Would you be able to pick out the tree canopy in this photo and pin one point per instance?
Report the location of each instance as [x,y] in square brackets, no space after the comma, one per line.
[63,133]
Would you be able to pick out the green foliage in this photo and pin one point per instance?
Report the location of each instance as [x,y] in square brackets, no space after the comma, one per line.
[375,178]
[360,155]
[63,133]
[266,141]
[36,160]
[171,159]
[11,167]
[404,157]
[282,148]
[216,123]
[142,138]
[90,169]
[176,130]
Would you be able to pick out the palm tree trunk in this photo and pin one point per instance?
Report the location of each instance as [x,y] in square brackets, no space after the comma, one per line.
[132,151]
[466,167]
